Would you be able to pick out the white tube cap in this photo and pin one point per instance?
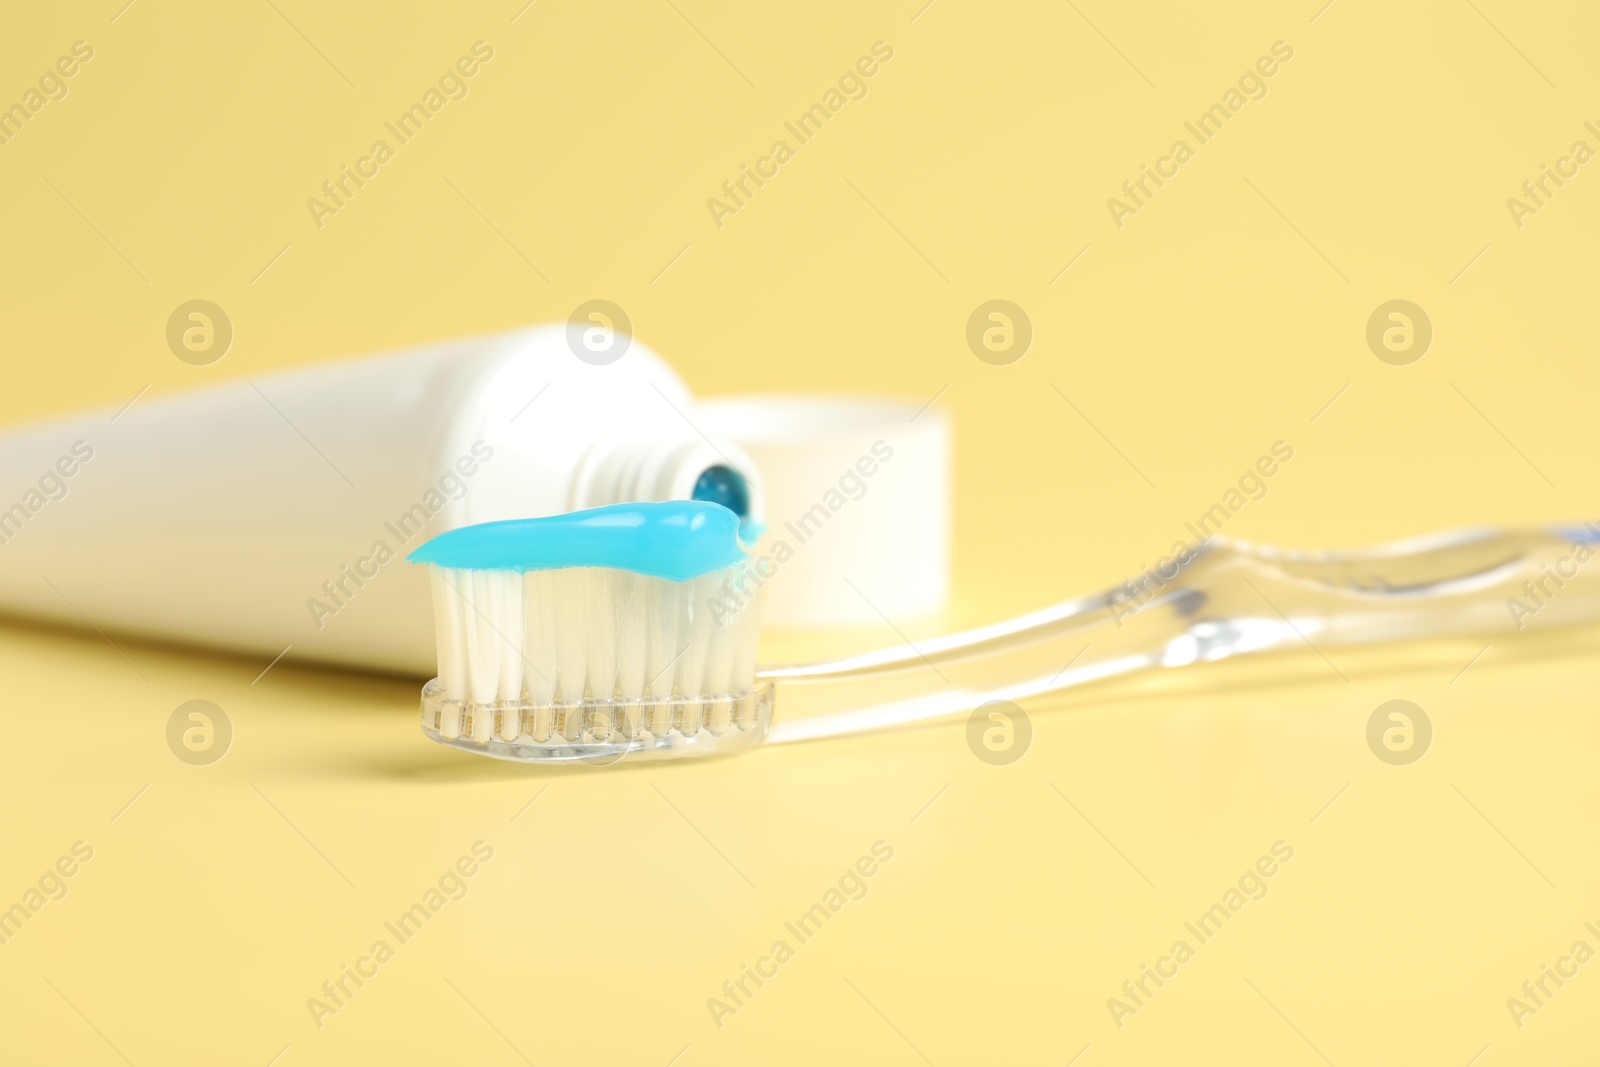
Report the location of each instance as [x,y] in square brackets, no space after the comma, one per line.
[857,504]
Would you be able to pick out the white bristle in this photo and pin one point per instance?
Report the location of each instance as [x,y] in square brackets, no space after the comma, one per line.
[603,590]
[447,632]
[592,654]
[483,644]
[508,611]
[632,630]
[660,646]
[569,604]
[540,634]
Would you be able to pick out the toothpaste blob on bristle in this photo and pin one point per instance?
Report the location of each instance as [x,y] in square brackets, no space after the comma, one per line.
[623,630]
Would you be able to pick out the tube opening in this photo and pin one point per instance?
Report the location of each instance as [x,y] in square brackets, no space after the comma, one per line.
[723,485]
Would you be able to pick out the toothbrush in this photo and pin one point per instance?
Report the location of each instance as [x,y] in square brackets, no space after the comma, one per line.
[632,660]
[595,635]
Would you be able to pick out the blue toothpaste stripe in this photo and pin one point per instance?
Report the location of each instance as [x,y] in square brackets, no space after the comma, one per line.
[676,540]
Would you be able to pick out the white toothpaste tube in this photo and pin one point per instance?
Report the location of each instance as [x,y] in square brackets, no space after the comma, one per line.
[275,513]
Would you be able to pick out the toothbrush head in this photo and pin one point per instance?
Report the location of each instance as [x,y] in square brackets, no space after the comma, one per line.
[621,632]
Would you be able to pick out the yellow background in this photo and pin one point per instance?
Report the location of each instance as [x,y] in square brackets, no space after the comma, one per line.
[1224,316]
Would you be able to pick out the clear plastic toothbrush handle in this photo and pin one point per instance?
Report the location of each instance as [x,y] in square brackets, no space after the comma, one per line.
[1228,598]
